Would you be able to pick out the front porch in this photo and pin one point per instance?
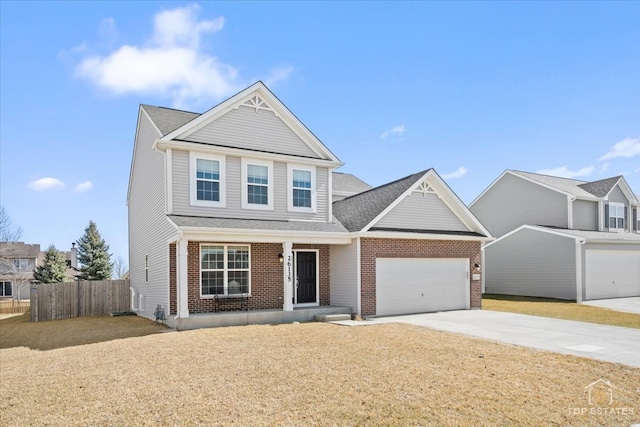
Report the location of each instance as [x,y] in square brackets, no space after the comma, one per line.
[252,317]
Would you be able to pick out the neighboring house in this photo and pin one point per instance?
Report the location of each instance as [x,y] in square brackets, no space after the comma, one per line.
[232,209]
[560,238]
[17,263]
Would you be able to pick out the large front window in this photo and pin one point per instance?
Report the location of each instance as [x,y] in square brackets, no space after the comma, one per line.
[224,270]
[6,289]
[616,215]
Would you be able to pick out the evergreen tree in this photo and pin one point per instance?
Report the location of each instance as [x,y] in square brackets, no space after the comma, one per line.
[93,255]
[54,268]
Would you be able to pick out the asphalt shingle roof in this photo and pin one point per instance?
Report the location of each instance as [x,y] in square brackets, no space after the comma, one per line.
[166,119]
[355,212]
[573,186]
[256,224]
[349,183]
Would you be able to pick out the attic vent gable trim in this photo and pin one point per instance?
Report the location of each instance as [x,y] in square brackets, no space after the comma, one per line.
[256,102]
[424,188]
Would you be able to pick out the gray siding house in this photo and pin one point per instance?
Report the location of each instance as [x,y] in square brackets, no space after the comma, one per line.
[240,209]
[560,238]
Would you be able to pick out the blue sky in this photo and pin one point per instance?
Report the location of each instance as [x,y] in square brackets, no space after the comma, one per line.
[470,89]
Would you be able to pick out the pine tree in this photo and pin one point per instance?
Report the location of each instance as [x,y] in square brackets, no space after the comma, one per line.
[93,255]
[54,268]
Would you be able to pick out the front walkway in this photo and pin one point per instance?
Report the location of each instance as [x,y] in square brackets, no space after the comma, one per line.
[602,342]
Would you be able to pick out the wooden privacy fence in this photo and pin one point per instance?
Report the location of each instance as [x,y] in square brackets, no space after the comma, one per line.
[54,301]
[13,306]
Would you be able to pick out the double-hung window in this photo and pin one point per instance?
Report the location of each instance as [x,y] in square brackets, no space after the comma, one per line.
[224,270]
[207,180]
[21,264]
[616,216]
[257,189]
[301,188]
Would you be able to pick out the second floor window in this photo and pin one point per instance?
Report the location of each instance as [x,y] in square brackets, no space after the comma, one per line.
[616,215]
[301,188]
[257,187]
[257,184]
[21,264]
[208,180]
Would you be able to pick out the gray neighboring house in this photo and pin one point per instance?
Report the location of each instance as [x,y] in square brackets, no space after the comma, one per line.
[560,238]
[240,209]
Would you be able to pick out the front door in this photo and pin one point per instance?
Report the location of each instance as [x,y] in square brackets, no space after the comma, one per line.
[306,277]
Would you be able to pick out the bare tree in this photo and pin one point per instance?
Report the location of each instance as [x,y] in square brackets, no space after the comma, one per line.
[7,233]
[119,267]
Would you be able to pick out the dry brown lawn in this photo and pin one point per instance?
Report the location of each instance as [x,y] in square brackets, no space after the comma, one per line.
[298,375]
[559,309]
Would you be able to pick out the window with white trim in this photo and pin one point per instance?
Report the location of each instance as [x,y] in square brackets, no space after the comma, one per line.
[301,188]
[207,180]
[6,290]
[257,189]
[616,215]
[224,270]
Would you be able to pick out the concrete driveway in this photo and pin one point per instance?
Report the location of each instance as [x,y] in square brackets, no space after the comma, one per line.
[630,305]
[602,342]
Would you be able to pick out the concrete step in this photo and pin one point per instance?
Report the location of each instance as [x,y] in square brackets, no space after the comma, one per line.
[331,317]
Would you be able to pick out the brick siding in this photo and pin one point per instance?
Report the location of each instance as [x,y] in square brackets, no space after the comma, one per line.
[266,278]
[391,248]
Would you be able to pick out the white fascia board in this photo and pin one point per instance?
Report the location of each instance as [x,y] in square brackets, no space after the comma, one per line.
[141,111]
[264,236]
[162,145]
[534,228]
[418,236]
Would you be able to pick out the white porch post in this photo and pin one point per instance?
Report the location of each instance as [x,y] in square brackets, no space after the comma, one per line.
[183,279]
[287,270]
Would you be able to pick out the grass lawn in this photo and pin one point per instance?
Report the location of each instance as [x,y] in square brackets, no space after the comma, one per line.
[298,375]
[559,309]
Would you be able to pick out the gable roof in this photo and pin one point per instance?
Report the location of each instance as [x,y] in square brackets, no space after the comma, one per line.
[257,96]
[356,212]
[590,190]
[602,187]
[167,119]
[348,183]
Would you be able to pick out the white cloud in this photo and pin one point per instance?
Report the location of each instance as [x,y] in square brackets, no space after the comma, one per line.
[172,63]
[84,186]
[564,172]
[604,167]
[628,147]
[43,184]
[458,173]
[278,74]
[396,130]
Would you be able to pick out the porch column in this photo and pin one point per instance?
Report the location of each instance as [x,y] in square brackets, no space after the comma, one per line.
[287,270]
[183,279]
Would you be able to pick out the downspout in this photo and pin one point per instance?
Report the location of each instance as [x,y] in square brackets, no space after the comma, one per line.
[579,275]
[570,200]
[358,279]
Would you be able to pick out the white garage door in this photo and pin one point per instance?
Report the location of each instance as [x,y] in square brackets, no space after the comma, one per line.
[420,285]
[612,274]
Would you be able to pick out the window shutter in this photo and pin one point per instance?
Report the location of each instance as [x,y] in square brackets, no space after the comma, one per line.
[634,226]
[626,220]
[606,216]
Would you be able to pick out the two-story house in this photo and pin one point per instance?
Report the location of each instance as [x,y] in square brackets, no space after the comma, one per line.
[17,262]
[560,238]
[233,209]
